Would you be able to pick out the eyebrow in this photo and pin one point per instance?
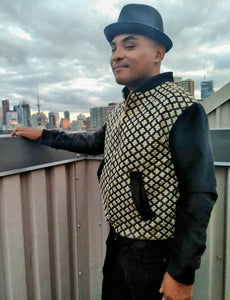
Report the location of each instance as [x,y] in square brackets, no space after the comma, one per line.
[125,39]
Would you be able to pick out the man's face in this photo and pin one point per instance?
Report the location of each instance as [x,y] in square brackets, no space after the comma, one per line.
[134,59]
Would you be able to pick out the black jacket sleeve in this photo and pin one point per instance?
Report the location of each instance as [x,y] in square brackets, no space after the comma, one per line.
[92,144]
[194,167]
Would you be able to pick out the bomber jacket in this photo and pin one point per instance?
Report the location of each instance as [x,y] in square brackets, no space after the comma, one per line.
[154,204]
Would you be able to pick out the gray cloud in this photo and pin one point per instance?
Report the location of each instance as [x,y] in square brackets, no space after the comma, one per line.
[59,48]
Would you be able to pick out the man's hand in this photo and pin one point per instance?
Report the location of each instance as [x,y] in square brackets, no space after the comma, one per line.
[174,290]
[28,132]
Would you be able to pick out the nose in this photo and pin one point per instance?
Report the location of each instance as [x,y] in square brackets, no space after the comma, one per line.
[117,54]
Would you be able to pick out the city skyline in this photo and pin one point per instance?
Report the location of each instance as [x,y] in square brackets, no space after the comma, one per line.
[22,116]
[187,84]
[61,49]
[72,115]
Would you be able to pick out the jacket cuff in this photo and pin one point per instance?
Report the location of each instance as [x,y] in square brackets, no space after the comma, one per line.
[46,138]
[185,276]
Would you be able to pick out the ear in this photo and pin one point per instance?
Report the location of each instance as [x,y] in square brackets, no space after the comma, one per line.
[160,53]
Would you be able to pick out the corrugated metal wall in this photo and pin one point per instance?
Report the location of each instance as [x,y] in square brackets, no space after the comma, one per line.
[219,118]
[53,231]
[213,278]
[51,237]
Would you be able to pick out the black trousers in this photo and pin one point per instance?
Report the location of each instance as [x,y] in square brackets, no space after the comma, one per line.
[133,269]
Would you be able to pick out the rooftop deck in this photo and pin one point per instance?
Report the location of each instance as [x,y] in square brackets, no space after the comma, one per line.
[52,227]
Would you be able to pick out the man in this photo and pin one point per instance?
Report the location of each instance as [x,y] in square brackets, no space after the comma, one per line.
[157,179]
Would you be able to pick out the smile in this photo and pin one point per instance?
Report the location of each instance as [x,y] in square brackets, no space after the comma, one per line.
[119,68]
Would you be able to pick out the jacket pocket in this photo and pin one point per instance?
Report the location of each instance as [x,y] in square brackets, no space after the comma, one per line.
[99,171]
[140,197]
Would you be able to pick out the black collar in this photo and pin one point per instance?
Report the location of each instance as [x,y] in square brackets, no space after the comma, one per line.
[151,83]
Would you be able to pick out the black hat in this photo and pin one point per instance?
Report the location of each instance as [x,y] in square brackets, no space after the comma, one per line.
[139,19]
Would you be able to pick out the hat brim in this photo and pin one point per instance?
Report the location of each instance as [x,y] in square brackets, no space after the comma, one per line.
[115,29]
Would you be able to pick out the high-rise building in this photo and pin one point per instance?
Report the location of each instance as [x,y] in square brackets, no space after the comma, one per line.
[177,79]
[86,122]
[0,118]
[187,84]
[39,120]
[65,123]
[99,115]
[5,109]
[23,113]
[53,119]
[12,119]
[206,89]
[81,117]
[67,115]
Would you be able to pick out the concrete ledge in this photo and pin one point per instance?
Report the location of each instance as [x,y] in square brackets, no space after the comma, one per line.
[18,155]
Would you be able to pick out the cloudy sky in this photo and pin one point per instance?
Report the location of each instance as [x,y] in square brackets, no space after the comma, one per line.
[58,48]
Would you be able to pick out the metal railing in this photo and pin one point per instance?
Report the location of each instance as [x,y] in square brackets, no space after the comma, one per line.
[52,227]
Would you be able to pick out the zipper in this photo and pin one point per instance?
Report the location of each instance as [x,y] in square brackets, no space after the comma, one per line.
[123,113]
[118,130]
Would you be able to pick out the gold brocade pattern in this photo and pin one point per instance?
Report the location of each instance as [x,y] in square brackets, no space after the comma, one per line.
[141,143]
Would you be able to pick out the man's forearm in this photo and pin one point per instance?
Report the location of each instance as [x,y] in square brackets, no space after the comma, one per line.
[80,143]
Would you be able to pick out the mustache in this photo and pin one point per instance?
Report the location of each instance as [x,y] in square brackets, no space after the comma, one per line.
[116,65]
